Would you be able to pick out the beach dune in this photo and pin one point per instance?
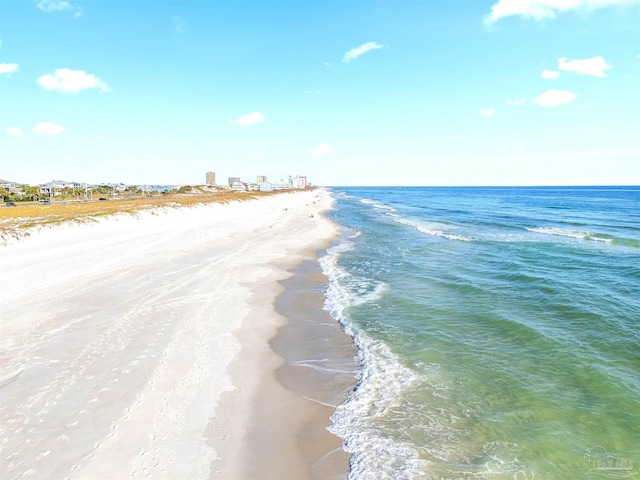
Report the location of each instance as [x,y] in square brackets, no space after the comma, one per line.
[120,338]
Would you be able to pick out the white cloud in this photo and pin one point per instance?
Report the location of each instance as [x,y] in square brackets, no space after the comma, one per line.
[8,68]
[590,66]
[53,5]
[320,150]
[71,81]
[15,132]
[517,103]
[250,119]
[47,128]
[553,98]
[547,9]
[549,74]
[487,112]
[356,52]
[59,6]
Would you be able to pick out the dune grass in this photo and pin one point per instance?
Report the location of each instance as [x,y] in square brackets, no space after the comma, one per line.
[16,221]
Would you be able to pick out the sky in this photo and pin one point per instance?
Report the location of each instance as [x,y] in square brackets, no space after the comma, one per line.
[346,92]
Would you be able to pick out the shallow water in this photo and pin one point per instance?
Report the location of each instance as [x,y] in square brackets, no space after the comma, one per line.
[498,331]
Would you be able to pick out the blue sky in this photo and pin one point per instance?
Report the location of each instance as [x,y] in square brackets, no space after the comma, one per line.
[347,92]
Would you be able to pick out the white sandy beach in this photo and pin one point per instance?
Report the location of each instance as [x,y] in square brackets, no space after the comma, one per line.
[117,339]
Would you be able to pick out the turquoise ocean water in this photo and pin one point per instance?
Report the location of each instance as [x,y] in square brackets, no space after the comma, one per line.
[498,331]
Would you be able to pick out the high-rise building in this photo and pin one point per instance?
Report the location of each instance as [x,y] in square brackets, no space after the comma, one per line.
[211,178]
[261,179]
[232,180]
[298,182]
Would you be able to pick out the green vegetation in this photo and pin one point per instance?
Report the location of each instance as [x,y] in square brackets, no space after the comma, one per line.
[28,194]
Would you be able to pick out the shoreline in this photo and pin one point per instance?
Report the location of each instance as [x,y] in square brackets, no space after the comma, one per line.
[280,420]
[321,358]
[121,338]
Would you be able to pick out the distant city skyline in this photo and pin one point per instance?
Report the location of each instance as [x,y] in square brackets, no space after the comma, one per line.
[210,179]
[487,92]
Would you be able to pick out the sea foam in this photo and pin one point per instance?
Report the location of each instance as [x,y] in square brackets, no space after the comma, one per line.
[381,378]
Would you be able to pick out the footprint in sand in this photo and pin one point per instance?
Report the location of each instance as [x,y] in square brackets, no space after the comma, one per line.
[42,455]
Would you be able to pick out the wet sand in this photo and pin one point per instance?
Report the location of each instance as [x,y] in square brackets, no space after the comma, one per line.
[320,358]
[282,423]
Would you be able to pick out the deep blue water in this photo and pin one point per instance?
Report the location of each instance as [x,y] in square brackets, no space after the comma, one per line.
[498,331]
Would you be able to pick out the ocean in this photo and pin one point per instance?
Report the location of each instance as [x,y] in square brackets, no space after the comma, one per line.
[498,331]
